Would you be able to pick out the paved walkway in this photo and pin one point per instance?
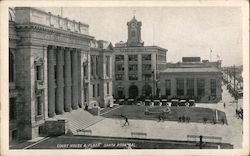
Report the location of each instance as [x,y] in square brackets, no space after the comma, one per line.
[231,133]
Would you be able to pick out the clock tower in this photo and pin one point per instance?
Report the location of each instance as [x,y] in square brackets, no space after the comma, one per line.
[134,33]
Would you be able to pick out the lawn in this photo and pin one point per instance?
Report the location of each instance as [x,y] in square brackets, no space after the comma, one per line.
[196,114]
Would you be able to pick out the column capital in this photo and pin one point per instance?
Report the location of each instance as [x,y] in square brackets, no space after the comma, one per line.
[52,47]
[60,48]
[68,48]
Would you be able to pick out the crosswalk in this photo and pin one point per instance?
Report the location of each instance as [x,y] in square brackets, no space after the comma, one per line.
[79,119]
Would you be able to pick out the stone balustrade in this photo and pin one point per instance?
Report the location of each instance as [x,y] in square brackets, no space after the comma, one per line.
[25,15]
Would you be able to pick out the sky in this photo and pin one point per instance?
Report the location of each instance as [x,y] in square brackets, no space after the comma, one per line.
[184,31]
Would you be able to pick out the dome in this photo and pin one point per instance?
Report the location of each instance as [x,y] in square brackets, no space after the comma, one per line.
[12,14]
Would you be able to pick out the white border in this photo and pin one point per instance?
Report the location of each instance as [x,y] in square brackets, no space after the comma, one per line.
[244,4]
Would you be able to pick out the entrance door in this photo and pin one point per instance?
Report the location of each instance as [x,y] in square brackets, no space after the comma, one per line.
[147,90]
[133,91]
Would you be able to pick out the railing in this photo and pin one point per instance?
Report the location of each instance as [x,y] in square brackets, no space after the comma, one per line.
[205,139]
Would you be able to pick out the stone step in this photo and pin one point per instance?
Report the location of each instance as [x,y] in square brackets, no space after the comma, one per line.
[79,119]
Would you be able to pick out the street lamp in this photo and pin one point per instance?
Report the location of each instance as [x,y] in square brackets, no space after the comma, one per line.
[153,82]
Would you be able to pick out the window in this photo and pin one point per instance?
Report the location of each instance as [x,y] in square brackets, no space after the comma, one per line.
[85,70]
[97,65]
[168,87]
[98,89]
[39,105]
[93,90]
[108,66]
[200,87]
[146,67]
[133,67]
[133,33]
[146,57]
[13,109]
[132,77]
[213,87]
[119,58]
[132,57]
[147,77]
[107,88]
[190,87]
[119,76]
[39,72]
[11,67]
[92,58]
[180,87]
[119,67]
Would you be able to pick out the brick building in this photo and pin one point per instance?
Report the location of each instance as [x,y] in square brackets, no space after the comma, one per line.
[136,67]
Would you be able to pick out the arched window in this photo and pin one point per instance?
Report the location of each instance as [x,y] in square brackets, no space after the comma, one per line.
[11,66]
[133,91]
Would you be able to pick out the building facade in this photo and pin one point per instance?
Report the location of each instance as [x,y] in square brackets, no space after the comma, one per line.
[101,54]
[136,67]
[192,80]
[49,69]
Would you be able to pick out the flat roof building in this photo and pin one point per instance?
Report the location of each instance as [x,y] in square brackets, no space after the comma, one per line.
[191,81]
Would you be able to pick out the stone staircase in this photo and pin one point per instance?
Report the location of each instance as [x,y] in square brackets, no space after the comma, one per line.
[79,119]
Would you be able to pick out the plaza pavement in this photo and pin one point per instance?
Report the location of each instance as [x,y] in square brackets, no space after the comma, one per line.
[231,133]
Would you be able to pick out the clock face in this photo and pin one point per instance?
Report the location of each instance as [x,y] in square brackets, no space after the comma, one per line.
[133,25]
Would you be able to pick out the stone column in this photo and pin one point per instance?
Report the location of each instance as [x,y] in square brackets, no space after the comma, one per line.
[51,81]
[139,68]
[185,86]
[59,81]
[45,78]
[80,78]
[195,87]
[74,68]
[67,80]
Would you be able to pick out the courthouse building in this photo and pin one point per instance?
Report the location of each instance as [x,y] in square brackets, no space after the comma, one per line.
[192,79]
[49,69]
[136,67]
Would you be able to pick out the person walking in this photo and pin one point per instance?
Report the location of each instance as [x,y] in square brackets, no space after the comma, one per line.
[126,121]
[224,105]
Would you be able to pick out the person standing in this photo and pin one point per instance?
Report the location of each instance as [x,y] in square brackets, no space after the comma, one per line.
[126,121]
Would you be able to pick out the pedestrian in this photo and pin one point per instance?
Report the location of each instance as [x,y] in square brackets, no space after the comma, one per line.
[126,121]
[179,119]
[187,119]
[224,105]
[183,118]
[160,117]
[205,120]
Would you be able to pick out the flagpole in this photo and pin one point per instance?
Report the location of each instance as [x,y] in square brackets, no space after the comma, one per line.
[210,55]
[61,11]
[153,34]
